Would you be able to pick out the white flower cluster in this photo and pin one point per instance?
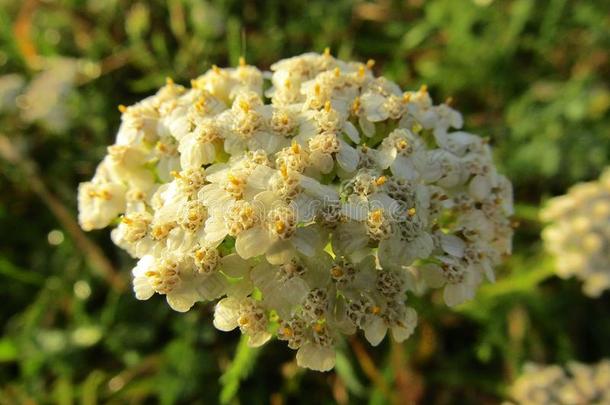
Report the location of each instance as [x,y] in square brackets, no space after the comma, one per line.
[579,234]
[553,385]
[310,204]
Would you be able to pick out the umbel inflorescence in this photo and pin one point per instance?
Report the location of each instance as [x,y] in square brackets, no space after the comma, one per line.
[577,383]
[308,200]
[579,233]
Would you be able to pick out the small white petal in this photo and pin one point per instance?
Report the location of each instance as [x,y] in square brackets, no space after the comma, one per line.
[456,294]
[181,302]
[234,266]
[316,357]
[404,331]
[213,286]
[351,132]
[226,313]
[375,330]
[347,157]
[306,240]
[252,242]
[258,339]
[453,245]
[280,251]
[368,128]
[480,187]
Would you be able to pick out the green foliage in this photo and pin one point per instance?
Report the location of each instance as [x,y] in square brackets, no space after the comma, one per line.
[241,366]
[531,76]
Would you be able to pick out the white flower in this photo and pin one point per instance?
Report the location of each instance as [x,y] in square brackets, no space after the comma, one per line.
[575,383]
[404,154]
[578,233]
[247,314]
[311,216]
[99,204]
[175,278]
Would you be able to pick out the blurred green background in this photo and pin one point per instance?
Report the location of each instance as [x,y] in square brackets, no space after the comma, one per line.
[533,76]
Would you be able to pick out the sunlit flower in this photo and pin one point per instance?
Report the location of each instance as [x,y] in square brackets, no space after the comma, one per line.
[310,211]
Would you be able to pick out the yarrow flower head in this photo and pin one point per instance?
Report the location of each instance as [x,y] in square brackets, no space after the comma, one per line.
[308,209]
[578,234]
[576,383]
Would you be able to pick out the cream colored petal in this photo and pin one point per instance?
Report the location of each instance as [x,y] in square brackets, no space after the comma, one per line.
[258,339]
[212,287]
[316,357]
[480,187]
[347,157]
[375,330]
[226,314]
[456,294]
[281,251]
[453,245]
[351,132]
[234,266]
[306,240]
[408,323]
[181,302]
[252,242]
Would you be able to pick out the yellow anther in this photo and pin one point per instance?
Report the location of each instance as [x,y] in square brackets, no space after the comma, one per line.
[161,147]
[295,147]
[284,170]
[286,331]
[287,83]
[194,83]
[423,88]
[402,144]
[318,327]
[361,71]
[380,181]
[370,63]
[169,81]
[122,108]
[234,180]
[242,61]
[411,211]
[327,106]
[376,310]
[406,97]
[377,215]
[356,105]
[243,321]
[244,105]
[327,51]
[449,101]
[200,255]
[317,90]
[105,195]
[216,69]
[127,220]
[175,174]
[151,274]
[336,271]
[280,226]
[337,72]
[202,100]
